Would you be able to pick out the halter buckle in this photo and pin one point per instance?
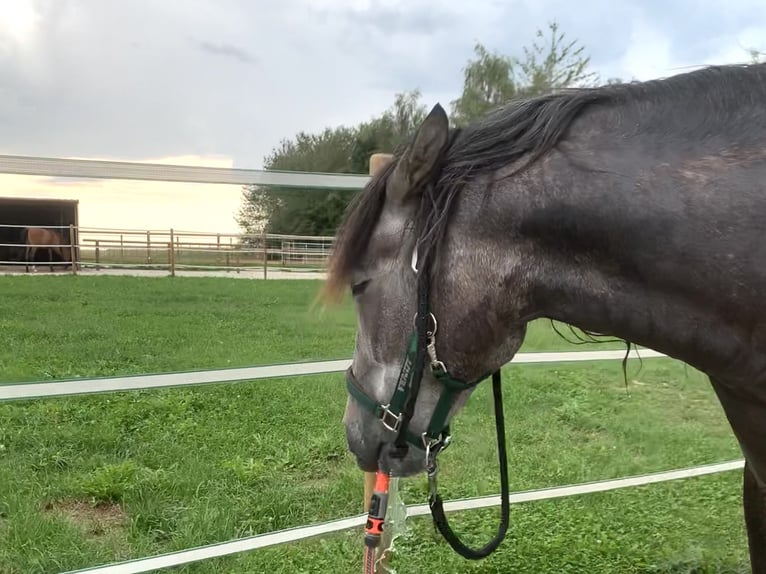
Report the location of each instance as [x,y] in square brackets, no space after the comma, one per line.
[390,420]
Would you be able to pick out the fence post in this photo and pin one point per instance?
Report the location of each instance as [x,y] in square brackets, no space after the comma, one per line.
[172,255]
[148,247]
[98,256]
[265,254]
[72,251]
[377,162]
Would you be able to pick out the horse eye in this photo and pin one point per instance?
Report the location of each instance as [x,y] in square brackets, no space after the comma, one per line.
[359,288]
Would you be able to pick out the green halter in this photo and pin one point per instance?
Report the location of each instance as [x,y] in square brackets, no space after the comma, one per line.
[396,415]
[392,414]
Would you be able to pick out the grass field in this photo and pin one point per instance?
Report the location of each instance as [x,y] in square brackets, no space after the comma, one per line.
[89,480]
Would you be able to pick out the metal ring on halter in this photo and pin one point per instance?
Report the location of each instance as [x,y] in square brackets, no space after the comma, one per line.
[442,442]
[438,366]
[428,443]
[433,318]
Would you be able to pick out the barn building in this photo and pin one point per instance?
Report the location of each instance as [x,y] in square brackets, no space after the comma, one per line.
[17,211]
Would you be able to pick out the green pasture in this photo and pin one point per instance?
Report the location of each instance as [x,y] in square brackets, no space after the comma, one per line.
[94,479]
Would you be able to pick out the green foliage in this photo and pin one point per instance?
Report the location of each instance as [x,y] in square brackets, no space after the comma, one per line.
[553,65]
[300,211]
[297,211]
[390,130]
[488,82]
[115,482]
[493,79]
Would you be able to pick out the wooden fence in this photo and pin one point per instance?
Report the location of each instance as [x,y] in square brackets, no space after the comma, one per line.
[171,250]
[198,251]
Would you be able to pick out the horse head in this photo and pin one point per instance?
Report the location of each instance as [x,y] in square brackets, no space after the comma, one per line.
[394,227]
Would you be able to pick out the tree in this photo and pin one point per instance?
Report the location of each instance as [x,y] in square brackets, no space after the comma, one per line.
[488,81]
[294,211]
[557,65]
[492,79]
[289,210]
[389,131]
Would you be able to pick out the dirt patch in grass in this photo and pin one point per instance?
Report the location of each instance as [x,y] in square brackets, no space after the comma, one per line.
[102,520]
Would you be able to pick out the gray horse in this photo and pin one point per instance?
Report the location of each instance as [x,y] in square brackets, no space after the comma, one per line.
[634,210]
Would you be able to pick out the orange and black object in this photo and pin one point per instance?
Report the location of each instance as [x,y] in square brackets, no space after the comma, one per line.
[376,516]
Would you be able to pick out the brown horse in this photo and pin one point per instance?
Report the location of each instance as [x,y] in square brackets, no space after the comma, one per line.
[38,238]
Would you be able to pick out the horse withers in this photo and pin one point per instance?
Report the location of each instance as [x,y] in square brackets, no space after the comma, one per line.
[633,210]
[39,238]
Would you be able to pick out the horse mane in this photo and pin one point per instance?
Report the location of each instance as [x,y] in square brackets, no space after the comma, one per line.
[519,133]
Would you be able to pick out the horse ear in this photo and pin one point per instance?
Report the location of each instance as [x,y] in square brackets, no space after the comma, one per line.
[419,159]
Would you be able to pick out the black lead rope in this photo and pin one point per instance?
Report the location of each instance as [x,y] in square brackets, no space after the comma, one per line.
[435,501]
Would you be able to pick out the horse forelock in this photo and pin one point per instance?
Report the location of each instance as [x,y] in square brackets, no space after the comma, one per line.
[354,232]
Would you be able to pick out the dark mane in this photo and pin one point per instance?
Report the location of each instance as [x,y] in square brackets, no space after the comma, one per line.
[521,132]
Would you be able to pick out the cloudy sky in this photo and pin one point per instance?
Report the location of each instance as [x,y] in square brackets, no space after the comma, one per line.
[227,79]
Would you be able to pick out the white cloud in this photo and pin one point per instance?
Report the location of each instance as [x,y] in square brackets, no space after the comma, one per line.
[648,55]
[18,23]
[735,49]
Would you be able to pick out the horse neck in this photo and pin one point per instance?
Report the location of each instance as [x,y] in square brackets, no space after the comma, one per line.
[606,254]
